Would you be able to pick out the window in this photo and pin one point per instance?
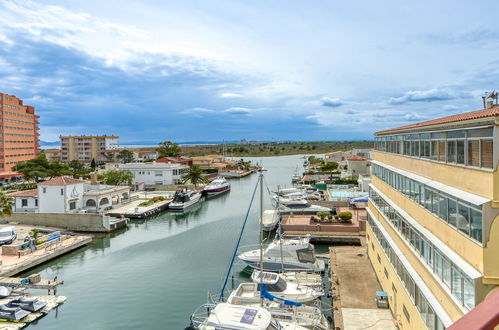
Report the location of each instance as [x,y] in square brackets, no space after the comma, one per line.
[463,219]
[72,205]
[406,313]
[24,202]
[379,259]
[62,192]
[158,173]
[36,202]
[386,272]
[474,153]
[44,190]
[486,153]
[451,151]
[476,224]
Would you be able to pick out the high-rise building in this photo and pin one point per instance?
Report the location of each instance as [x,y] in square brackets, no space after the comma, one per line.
[433,216]
[85,148]
[19,137]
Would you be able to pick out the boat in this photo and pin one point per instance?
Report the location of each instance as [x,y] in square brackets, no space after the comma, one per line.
[296,178]
[30,305]
[12,314]
[312,280]
[217,187]
[248,294]
[277,286]
[270,220]
[300,206]
[297,255]
[5,291]
[184,199]
[224,316]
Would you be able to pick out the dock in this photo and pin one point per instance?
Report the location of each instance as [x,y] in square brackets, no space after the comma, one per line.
[132,210]
[52,303]
[354,285]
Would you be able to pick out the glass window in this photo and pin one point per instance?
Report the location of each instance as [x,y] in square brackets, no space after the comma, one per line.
[481,132]
[486,153]
[451,151]
[438,264]
[435,202]
[460,152]
[455,134]
[446,272]
[476,224]
[469,293]
[431,318]
[427,198]
[452,212]
[441,151]
[474,153]
[463,219]
[434,150]
[442,207]
[457,283]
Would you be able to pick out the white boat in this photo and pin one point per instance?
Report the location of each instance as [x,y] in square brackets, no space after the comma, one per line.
[297,255]
[248,294]
[300,206]
[270,220]
[277,286]
[225,316]
[184,199]
[217,186]
[312,280]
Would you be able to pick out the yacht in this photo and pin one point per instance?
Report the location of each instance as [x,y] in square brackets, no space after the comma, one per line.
[270,220]
[225,316]
[248,294]
[312,280]
[285,255]
[184,199]
[277,286]
[300,206]
[216,187]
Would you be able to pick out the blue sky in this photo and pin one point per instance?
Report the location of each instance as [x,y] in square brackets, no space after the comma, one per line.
[154,70]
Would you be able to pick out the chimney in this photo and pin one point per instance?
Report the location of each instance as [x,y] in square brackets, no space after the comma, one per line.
[490,104]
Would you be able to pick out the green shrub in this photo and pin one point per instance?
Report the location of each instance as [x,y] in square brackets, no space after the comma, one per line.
[323,214]
[345,216]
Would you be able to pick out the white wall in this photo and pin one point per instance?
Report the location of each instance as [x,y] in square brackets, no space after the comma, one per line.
[155,173]
[112,143]
[31,207]
[52,200]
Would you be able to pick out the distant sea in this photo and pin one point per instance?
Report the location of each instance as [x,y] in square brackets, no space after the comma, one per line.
[55,145]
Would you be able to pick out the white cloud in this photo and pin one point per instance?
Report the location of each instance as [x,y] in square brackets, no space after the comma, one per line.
[239,111]
[424,96]
[332,102]
[230,96]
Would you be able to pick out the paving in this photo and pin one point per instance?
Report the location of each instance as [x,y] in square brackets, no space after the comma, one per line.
[354,289]
[133,207]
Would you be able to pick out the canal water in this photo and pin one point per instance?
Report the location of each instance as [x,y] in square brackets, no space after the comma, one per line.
[156,272]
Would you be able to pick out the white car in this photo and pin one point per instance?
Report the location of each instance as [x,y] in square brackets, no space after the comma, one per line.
[8,235]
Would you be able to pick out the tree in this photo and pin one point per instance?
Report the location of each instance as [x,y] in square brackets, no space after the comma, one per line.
[126,156]
[329,167]
[117,178]
[168,149]
[5,205]
[40,167]
[76,168]
[195,176]
[93,164]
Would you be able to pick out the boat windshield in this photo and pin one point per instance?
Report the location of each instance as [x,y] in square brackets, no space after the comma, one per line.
[180,198]
[298,205]
[279,286]
[274,325]
[5,233]
[306,255]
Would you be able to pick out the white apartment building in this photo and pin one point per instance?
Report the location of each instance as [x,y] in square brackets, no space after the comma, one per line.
[156,173]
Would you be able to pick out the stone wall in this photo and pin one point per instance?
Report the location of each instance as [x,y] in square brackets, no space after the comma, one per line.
[84,222]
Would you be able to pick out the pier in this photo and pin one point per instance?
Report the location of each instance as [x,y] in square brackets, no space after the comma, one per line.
[132,210]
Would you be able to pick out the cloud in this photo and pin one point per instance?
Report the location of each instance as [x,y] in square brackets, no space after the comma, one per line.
[239,111]
[230,96]
[424,96]
[477,37]
[198,111]
[331,102]
[413,117]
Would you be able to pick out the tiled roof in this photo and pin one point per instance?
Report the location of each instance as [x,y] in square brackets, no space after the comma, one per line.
[24,193]
[60,181]
[484,113]
[355,157]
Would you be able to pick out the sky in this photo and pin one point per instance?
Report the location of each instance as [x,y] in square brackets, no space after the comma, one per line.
[155,70]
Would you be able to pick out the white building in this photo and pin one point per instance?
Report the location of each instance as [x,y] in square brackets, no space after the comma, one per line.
[67,195]
[156,173]
[357,165]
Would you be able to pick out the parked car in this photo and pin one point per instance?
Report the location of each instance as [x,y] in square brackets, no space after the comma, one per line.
[8,235]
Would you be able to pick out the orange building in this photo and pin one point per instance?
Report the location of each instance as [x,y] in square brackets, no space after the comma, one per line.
[19,137]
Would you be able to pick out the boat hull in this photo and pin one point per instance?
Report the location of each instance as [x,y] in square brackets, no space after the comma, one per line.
[217,191]
[184,205]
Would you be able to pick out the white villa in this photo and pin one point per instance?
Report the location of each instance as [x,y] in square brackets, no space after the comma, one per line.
[155,173]
[67,195]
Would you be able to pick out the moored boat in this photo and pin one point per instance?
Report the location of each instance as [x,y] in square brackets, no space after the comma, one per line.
[270,219]
[184,199]
[217,186]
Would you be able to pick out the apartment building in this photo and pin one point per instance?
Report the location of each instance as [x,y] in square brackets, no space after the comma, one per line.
[85,148]
[155,173]
[19,137]
[433,216]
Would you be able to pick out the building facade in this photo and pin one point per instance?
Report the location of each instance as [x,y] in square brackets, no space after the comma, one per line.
[433,217]
[19,139]
[156,173]
[86,148]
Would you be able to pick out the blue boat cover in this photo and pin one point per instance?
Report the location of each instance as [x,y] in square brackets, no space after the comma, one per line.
[359,199]
[265,294]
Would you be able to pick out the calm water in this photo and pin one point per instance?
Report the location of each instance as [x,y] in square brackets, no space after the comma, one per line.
[155,273]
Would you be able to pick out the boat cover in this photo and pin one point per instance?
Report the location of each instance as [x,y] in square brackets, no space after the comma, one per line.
[267,295]
[32,305]
[12,314]
[5,291]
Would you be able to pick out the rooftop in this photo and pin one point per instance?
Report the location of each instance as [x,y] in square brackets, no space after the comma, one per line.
[479,114]
[88,136]
[24,193]
[355,157]
[60,181]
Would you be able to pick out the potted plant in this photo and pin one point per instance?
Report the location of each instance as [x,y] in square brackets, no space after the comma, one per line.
[345,216]
[323,215]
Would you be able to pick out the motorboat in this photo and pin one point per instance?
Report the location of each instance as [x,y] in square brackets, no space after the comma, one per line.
[312,280]
[300,206]
[248,294]
[12,313]
[270,220]
[277,286]
[224,316]
[285,255]
[295,178]
[30,305]
[184,199]
[216,187]
[5,291]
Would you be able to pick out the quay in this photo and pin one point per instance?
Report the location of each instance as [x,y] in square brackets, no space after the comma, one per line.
[52,303]
[354,285]
[133,210]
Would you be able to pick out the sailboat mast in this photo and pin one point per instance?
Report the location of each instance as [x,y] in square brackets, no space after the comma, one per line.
[261,235]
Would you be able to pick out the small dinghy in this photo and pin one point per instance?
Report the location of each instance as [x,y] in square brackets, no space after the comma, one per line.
[32,305]
[5,291]
[12,314]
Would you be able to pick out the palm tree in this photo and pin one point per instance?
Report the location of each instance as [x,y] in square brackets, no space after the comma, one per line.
[5,205]
[195,176]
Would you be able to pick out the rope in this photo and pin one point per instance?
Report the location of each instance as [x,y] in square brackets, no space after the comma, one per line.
[237,245]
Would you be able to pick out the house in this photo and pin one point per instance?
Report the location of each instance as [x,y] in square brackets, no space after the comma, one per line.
[67,195]
[336,156]
[156,173]
[357,165]
[183,160]
[208,161]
